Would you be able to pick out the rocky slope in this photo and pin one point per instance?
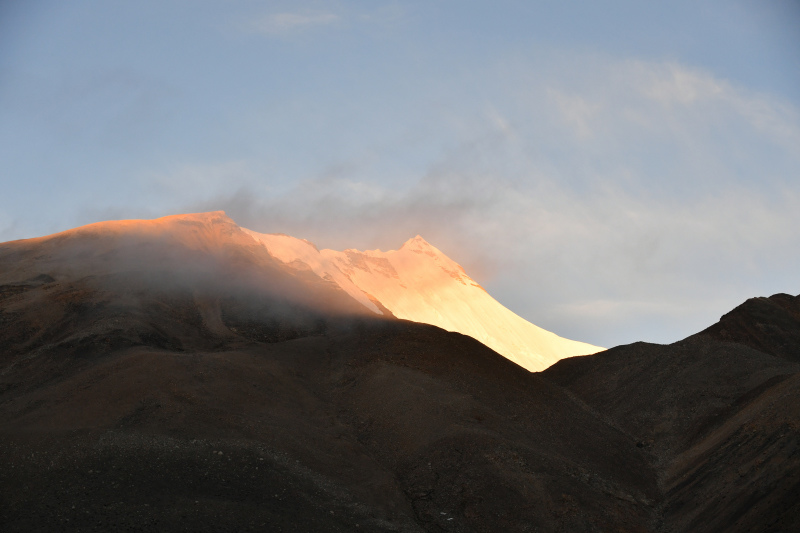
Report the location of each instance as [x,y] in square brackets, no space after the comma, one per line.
[245,394]
[721,419]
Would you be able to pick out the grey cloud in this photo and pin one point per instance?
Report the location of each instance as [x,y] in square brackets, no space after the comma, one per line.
[287,22]
[8,227]
[617,214]
[292,21]
[560,251]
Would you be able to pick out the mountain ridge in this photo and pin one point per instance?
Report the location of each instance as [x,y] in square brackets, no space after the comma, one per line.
[409,282]
[416,282]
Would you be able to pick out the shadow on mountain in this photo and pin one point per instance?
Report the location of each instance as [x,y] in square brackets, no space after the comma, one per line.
[193,383]
[720,417]
[770,325]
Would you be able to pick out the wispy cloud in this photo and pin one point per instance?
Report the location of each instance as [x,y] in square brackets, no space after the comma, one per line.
[658,187]
[289,22]
[7,225]
[674,84]
[384,18]
[560,250]
[576,111]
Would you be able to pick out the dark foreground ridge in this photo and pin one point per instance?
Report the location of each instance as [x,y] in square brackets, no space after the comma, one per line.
[141,394]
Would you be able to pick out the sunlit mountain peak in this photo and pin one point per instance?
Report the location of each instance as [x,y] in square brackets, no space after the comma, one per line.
[419,282]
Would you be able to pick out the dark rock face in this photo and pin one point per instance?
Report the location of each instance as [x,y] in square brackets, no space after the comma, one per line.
[720,418]
[226,402]
[770,325]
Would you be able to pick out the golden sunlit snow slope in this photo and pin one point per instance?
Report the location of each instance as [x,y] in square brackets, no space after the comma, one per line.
[418,282]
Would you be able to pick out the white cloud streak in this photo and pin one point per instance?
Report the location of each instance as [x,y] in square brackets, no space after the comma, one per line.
[284,23]
[673,84]
[576,111]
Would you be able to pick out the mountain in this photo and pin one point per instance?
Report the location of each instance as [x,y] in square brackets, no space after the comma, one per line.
[420,283]
[771,325]
[417,282]
[718,413]
[174,375]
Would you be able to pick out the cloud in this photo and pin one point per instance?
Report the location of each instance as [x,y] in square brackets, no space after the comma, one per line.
[199,180]
[7,226]
[559,244]
[656,186]
[576,111]
[673,84]
[285,23]
[381,19]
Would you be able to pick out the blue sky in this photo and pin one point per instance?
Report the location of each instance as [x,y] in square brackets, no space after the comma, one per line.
[611,171]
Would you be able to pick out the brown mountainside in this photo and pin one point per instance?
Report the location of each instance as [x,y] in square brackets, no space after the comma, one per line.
[174,377]
[720,418]
[771,325]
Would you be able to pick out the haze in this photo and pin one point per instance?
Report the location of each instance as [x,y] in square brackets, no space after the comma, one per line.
[610,172]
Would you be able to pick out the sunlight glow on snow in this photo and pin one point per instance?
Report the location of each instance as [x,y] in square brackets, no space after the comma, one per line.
[418,282]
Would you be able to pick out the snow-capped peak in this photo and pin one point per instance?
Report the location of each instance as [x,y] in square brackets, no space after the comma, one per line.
[419,282]
[417,243]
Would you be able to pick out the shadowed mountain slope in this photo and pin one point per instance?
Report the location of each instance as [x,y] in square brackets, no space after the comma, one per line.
[721,418]
[771,325]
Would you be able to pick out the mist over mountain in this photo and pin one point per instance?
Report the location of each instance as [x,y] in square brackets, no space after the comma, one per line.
[186,374]
[417,282]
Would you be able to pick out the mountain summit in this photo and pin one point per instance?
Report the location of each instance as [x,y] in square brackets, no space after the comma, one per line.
[420,283]
[416,282]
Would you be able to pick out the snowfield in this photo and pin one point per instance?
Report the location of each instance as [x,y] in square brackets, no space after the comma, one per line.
[420,283]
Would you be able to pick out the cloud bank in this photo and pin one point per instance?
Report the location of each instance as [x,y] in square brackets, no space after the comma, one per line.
[608,201]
